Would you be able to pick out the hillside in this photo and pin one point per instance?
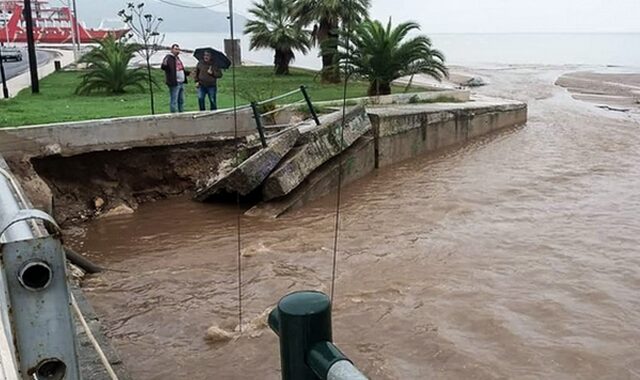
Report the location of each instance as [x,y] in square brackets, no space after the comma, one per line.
[176,19]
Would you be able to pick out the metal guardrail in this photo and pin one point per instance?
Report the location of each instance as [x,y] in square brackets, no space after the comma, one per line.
[38,335]
[258,116]
[302,320]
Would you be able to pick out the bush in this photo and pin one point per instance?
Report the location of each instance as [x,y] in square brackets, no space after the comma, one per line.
[108,68]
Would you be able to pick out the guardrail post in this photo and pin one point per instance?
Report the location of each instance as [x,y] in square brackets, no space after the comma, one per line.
[3,77]
[37,340]
[302,320]
[256,115]
[303,89]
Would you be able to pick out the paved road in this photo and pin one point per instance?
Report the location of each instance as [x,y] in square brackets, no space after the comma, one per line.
[13,69]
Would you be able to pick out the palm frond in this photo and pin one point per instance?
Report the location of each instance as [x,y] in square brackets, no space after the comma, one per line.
[108,68]
[384,53]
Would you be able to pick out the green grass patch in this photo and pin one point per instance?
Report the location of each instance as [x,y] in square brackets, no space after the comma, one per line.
[440,99]
[57,101]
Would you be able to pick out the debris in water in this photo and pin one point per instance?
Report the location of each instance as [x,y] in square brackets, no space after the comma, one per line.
[76,274]
[98,203]
[253,329]
[475,82]
[216,334]
[616,109]
[120,209]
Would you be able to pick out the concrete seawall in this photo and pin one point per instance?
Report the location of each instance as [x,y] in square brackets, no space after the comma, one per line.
[402,132]
[399,133]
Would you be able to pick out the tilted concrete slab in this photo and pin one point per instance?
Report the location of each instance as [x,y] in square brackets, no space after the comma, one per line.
[356,162]
[246,177]
[324,142]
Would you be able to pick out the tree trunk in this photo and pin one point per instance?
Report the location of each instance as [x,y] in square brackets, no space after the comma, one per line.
[153,107]
[377,88]
[328,40]
[282,60]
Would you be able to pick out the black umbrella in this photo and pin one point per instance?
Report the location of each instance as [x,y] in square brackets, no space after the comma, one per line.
[218,57]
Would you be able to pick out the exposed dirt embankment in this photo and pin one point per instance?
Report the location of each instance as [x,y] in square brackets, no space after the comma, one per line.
[97,183]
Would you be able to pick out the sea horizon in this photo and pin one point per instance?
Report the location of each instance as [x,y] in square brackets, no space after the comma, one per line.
[469,49]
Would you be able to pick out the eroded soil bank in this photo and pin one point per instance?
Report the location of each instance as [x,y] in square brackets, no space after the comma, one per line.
[92,184]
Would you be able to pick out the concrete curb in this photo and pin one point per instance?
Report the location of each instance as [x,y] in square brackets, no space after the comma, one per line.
[22,81]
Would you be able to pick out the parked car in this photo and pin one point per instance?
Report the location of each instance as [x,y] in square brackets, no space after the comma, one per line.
[11,53]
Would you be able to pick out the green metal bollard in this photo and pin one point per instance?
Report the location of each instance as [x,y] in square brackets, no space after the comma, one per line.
[301,320]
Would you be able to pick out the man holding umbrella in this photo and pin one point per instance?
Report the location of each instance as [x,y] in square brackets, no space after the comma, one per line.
[207,73]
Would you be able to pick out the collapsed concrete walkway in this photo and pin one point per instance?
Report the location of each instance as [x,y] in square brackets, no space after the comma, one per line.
[357,142]
[140,159]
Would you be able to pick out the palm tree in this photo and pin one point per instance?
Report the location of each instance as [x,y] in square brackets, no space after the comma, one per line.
[383,54]
[327,16]
[108,68]
[275,27]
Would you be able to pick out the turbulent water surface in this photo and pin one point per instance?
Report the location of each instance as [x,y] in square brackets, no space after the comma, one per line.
[515,256]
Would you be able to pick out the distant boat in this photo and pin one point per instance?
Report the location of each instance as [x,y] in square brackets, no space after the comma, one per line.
[52,25]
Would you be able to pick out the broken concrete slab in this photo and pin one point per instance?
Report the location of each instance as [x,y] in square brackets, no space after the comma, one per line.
[246,177]
[356,162]
[321,144]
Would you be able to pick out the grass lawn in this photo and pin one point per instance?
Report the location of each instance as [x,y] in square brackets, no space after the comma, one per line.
[57,101]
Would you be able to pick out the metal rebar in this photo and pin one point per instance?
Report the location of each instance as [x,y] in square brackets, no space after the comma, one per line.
[303,89]
[262,102]
[256,115]
[284,107]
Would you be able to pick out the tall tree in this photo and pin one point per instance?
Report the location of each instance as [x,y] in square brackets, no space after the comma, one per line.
[273,26]
[383,54]
[327,17]
[144,26]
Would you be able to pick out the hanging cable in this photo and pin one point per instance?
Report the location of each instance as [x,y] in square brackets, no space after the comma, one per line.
[339,190]
[103,357]
[235,135]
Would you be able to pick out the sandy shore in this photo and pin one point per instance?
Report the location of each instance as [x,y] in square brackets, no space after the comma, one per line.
[614,91]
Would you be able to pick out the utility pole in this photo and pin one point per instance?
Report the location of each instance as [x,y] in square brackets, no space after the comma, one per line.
[5,17]
[76,27]
[73,33]
[31,48]
[5,90]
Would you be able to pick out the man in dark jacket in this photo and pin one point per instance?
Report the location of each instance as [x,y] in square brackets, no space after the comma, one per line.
[175,77]
[206,76]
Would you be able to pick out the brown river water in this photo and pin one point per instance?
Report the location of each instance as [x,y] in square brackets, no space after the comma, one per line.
[516,256]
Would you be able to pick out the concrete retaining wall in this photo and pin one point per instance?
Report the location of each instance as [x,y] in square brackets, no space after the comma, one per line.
[68,139]
[402,132]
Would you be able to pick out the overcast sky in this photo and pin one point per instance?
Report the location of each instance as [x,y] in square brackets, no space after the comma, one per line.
[504,16]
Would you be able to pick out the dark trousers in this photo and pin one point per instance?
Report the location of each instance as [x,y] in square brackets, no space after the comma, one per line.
[211,92]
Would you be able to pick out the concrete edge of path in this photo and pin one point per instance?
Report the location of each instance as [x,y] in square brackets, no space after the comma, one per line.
[22,81]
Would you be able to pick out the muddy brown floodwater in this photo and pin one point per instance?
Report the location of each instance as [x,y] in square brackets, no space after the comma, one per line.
[516,256]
